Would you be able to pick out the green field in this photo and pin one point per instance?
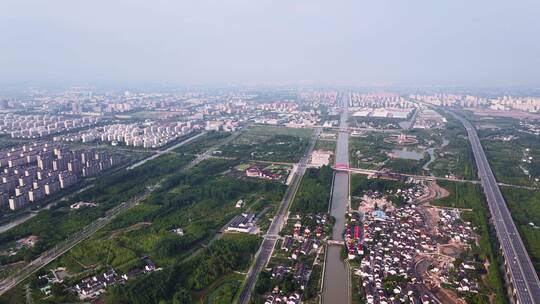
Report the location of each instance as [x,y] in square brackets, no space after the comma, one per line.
[329,145]
[269,143]
[207,274]
[506,157]
[202,143]
[505,145]
[525,208]
[368,152]
[456,157]
[226,290]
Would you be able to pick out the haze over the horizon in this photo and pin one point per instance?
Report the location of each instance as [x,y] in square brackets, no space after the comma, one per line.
[271,41]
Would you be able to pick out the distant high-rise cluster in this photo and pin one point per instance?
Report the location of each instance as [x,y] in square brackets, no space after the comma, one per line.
[146,135]
[379,100]
[37,126]
[32,172]
[317,98]
[503,103]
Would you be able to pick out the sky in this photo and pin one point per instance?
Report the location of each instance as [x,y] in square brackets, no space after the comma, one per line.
[378,42]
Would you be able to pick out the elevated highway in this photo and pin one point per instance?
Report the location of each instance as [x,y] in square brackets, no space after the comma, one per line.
[522,279]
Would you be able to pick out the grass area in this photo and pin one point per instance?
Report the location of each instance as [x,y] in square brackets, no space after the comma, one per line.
[226,290]
[268,143]
[456,157]
[371,152]
[525,208]
[329,145]
[360,184]
[368,152]
[202,143]
[506,157]
[406,166]
[470,196]
[505,148]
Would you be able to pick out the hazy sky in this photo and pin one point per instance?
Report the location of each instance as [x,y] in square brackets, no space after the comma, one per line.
[425,42]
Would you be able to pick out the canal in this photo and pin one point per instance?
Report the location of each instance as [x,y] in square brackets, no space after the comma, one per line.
[336,274]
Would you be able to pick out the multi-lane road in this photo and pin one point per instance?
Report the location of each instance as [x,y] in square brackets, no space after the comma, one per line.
[271,237]
[523,277]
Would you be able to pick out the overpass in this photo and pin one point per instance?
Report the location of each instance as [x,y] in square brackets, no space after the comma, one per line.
[422,177]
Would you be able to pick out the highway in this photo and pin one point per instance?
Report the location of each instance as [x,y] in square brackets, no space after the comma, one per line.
[210,151]
[271,237]
[523,277]
[167,150]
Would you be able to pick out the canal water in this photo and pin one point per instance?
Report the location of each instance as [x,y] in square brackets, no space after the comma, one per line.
[336,275]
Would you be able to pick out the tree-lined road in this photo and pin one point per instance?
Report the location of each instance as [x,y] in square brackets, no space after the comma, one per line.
[271,237]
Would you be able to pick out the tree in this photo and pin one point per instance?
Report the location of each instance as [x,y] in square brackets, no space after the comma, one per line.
[181,296]
[264,283]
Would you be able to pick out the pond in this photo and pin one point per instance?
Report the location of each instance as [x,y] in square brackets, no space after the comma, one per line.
[407,154]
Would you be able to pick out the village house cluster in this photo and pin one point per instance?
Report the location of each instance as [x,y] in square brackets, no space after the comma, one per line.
[146,135]
[387,242]
[447,270]
[25,242]
[37,126]
[94,286]
[300,248]
[272,172]
[32,172]
[391,241]
[532,127]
